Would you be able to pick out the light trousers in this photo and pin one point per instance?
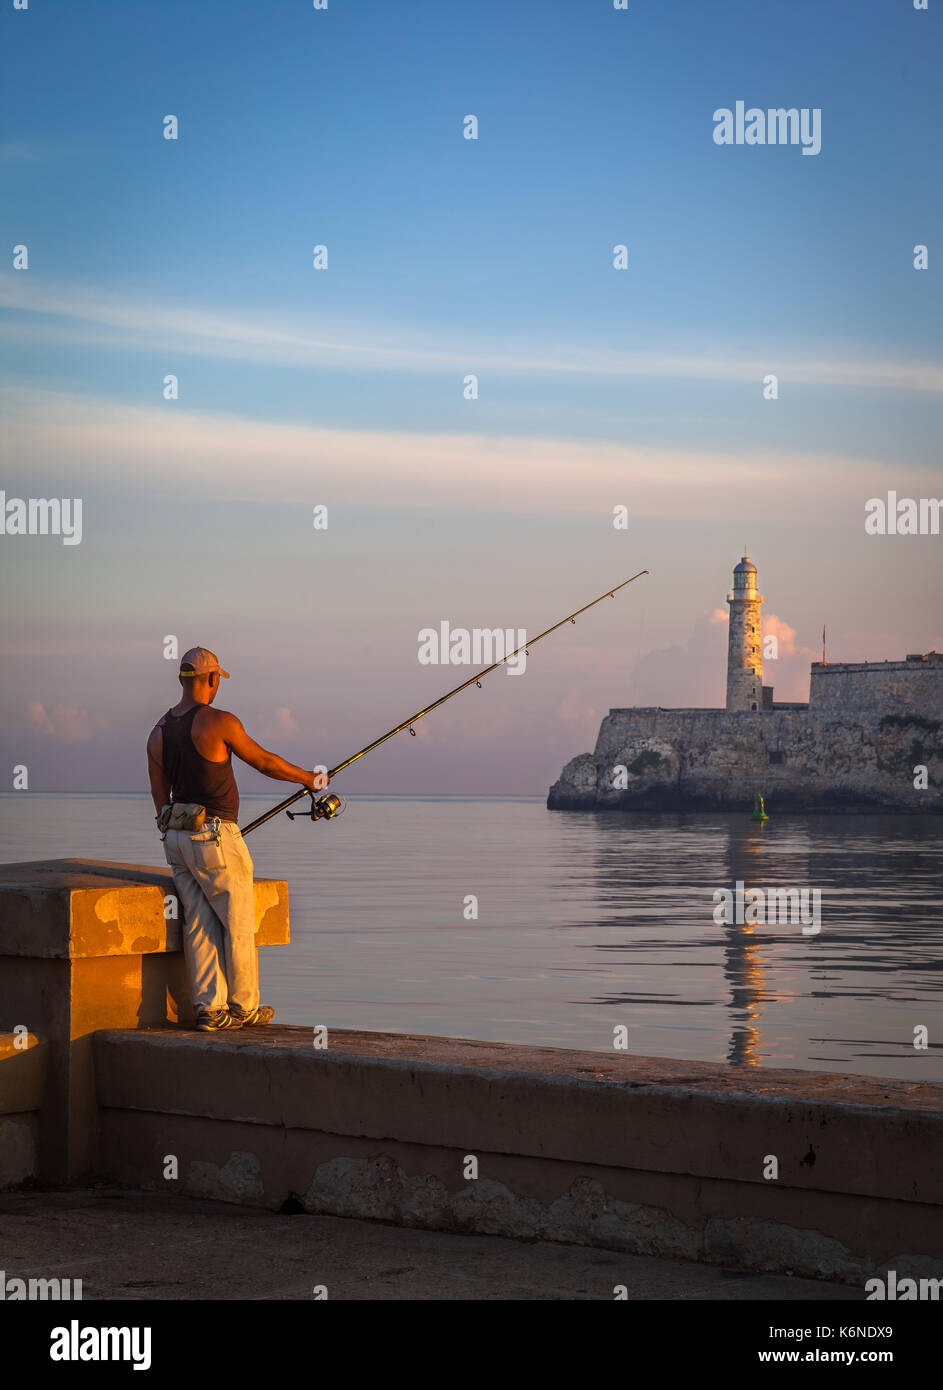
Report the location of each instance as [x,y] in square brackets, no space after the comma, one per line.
[214,885]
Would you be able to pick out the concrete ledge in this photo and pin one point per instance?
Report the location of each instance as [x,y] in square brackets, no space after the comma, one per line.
[67,909]
[89,944]
[629,1153]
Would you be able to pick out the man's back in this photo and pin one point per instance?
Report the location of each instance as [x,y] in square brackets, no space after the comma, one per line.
[196,760]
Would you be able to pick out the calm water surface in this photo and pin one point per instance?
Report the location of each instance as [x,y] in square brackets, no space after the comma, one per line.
[585,922]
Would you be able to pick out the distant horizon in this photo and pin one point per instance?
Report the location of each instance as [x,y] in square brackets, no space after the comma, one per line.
[261,796]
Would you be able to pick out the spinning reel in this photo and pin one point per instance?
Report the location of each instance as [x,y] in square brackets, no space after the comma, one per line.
[322,808]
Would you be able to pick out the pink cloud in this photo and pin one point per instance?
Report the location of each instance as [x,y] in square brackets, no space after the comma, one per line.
[280,722]
[573,710]
[64,723]
[788,671]
[785,635]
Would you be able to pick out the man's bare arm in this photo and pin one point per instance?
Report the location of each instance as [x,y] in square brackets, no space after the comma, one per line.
[160,786]
[246,748]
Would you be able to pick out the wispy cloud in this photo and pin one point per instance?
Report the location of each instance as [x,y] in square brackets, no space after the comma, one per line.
[166,450]
[83,316]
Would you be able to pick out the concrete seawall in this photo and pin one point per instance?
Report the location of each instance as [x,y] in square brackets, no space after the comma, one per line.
[627,1153]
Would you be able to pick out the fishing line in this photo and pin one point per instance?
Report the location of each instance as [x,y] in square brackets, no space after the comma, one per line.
[327,807]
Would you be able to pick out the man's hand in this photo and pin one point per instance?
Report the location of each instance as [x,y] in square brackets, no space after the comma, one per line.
[317,781]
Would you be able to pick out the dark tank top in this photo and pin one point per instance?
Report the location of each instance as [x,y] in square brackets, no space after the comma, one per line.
[193,777]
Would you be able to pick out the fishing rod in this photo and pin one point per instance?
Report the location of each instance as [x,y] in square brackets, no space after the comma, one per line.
[327,807]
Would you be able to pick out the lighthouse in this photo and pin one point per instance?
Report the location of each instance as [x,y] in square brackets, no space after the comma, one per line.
[744,643]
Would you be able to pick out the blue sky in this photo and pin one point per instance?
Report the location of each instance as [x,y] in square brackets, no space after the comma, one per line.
[447,257]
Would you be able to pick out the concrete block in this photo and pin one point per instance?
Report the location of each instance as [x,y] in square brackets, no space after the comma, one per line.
[87,944]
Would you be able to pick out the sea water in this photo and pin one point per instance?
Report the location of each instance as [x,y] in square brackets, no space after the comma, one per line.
[497,919]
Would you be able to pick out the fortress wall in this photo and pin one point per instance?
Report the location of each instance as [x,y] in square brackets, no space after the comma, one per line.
[864,689]
[655,759]
[760,729]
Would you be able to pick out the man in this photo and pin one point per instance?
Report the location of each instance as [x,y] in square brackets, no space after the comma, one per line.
[189,759]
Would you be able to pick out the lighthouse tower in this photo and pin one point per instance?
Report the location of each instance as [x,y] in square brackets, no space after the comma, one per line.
[744,644]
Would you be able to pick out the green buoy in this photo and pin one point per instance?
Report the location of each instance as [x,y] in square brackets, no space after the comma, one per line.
[759,811]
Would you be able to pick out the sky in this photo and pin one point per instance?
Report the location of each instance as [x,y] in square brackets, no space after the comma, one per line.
[346,387]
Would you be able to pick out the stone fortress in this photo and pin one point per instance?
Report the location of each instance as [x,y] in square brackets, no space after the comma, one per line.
[870,738]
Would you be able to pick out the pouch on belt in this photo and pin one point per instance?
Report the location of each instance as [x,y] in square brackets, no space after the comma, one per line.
[182,815]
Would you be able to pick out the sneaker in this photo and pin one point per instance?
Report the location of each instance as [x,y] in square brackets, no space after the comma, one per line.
[258,1018]
[216,1021]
